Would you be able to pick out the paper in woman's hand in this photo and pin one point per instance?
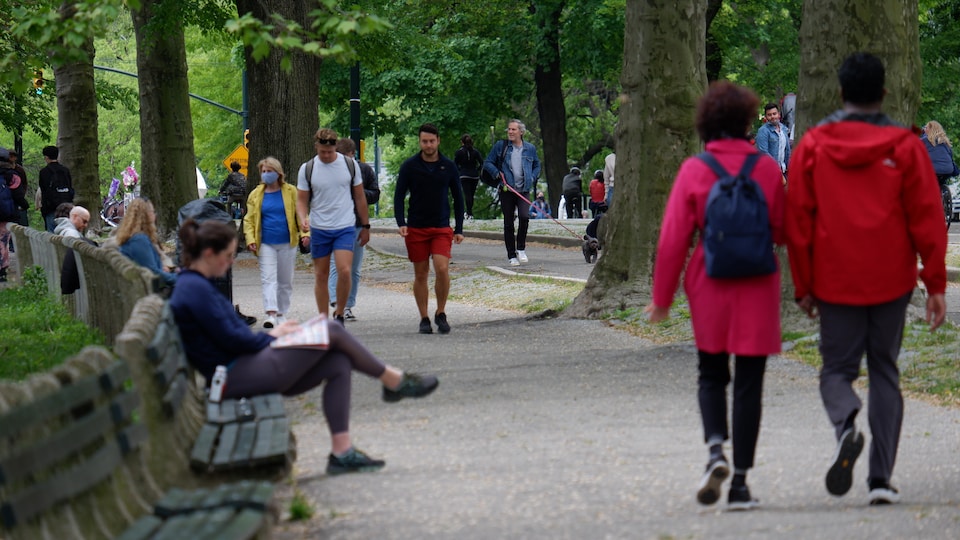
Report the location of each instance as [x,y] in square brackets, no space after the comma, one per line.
[312,334]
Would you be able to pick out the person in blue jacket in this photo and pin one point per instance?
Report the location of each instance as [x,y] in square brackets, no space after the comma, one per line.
[940,150]
[137,238]
[773,138]
[517,161]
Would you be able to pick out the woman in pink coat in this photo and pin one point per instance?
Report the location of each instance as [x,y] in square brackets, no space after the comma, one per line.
[739,316]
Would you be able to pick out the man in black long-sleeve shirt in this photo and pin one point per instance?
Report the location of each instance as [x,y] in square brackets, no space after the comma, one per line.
[56,186]
[430,178]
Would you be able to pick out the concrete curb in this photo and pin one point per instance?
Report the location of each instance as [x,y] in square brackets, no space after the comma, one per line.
[563,241]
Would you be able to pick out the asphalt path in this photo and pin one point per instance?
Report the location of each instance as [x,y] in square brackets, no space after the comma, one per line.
[562,428]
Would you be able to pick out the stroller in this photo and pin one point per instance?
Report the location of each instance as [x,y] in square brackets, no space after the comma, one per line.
[112,213]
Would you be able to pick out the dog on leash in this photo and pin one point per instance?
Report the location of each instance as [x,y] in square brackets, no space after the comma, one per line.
[591,249]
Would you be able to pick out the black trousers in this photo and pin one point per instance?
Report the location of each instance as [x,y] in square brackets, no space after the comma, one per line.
[513,205]
[469,186]
[747,401]
[574,205]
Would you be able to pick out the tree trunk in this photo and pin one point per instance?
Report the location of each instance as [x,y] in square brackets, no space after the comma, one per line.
[550,104]
[663,76]
[713,52]
[833,29]
[77,135]
[283,106]
[167,163]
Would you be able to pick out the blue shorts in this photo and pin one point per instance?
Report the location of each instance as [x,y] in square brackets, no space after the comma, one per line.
[324,241]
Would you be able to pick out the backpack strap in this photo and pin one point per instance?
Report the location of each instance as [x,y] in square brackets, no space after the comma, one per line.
[745,170]
[308,172]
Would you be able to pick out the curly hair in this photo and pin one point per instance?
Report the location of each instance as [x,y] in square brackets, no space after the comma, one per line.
[935,134]
[138,218]
[274,164]
[726,111]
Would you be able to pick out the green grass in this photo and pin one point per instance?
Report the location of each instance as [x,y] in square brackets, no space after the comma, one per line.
[37,333]
[525,294]
[300,507]
[927,360]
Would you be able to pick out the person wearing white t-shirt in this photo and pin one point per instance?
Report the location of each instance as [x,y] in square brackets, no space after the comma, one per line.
[326,202]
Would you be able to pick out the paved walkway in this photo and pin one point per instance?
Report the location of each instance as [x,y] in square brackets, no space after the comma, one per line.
[573,429]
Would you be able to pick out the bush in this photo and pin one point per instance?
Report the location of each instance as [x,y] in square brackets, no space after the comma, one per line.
[37,331]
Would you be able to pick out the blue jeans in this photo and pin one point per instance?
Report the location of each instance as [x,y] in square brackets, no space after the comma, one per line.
[49,222]
[354,273]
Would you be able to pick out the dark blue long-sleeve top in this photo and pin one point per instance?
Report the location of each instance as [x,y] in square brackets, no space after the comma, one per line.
[430,185]
[212,332]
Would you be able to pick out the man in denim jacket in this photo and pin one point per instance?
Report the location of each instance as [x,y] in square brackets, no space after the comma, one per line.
[520,168]
[773,137]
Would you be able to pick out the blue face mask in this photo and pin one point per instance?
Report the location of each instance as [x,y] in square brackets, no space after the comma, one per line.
[269,177]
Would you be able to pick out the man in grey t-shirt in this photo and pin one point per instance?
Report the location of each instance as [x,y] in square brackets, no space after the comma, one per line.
[326,202]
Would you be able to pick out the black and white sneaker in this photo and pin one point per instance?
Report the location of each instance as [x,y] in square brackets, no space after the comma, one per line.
[739,499]
[883,493]
[712,480]
[353,461]
[840,475]
[348,315]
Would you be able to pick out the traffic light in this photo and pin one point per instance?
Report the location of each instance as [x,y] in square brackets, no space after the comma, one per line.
[246,138]
[38,81]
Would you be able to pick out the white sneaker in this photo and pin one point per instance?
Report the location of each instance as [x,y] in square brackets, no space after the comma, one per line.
[281,319]
[522,255]
[270,322]
[514,262]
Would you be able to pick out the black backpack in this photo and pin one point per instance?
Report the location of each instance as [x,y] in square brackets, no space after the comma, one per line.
[494,181]
[737,241]
[8,209]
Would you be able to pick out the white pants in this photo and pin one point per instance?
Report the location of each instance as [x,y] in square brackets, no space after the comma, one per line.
[276,276]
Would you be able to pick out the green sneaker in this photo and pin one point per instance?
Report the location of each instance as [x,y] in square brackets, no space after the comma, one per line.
[353,461]
[412,386]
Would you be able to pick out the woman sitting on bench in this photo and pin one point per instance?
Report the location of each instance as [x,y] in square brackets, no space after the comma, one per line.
[214,335]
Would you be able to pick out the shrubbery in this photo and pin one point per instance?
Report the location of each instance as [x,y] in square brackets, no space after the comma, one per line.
[37,332]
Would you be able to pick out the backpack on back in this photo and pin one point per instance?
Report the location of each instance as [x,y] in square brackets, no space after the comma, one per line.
[737,241]
[62,190]
[8,209]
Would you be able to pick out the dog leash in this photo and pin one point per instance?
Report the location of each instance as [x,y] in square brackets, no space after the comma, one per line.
[526,200]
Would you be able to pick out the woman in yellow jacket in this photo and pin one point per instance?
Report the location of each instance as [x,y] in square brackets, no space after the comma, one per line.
[270,226]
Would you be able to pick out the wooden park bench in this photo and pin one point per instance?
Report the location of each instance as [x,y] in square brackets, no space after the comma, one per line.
[242,434]
[71,464]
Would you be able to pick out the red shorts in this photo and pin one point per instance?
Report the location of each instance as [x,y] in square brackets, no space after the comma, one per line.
[422,242]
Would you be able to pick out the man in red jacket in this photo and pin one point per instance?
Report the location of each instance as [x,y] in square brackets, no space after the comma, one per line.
[858,266]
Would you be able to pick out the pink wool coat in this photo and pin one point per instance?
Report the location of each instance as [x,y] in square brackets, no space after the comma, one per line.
[737,316]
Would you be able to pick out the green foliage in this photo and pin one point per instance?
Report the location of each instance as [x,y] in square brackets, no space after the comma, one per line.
[330,35]
[940,52]
[759,43]
[300,507]
[37,332]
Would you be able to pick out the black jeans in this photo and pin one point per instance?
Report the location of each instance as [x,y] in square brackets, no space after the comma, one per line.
[574,205]
[513,205]
[469,186]
[747,401]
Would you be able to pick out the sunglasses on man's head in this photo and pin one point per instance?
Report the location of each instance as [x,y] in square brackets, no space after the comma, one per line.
[327,142]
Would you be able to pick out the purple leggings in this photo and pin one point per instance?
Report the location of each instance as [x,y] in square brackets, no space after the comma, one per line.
[295,371]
